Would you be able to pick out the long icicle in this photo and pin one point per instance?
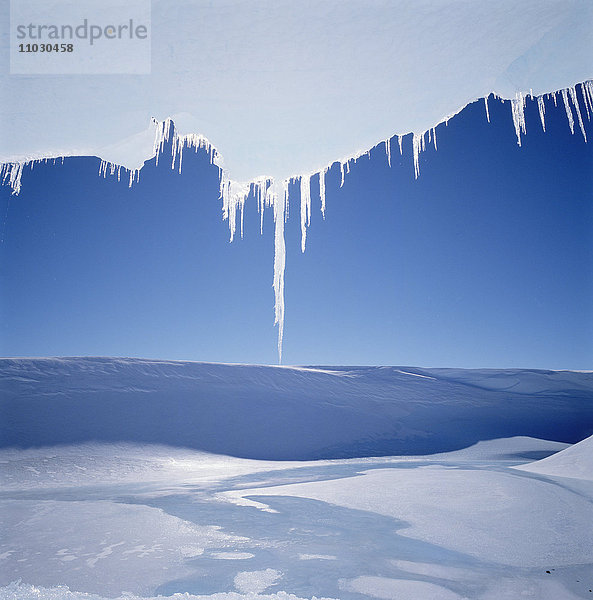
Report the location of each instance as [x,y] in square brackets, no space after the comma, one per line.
[277,196]
[305,208]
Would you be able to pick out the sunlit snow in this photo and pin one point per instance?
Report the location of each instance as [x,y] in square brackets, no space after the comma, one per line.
[92,508]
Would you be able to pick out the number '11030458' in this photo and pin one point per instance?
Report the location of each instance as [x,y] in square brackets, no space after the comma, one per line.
[46,47]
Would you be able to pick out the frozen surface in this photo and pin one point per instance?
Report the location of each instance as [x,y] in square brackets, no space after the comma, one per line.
[436,501]
[86,542]
[439,527]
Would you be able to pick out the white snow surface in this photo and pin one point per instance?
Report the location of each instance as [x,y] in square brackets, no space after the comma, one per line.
[256,582]
[575,461]
[435,527]
[393,589]
[136,537]
[455,508]
[99,500]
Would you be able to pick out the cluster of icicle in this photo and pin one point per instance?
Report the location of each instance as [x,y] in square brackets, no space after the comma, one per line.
[164,132]
[274,194]
[518,107]
[12,172]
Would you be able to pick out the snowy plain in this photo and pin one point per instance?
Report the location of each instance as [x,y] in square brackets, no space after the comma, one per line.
[96,511]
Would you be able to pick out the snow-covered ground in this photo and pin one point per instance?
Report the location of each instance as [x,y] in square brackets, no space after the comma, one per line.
[286,413]
[97,515]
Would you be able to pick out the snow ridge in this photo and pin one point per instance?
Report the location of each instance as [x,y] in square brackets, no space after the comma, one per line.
[274,195]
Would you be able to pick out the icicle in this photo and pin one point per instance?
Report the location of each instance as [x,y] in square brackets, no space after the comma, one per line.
[305,208]
[542,111]
[277,197]
[134,176]
[417,140]
[573,96]
[233,195]
[242,210]
[388,150]
[555,98]
[587,89]
[163,130]
[12,173]
[569,115]
[518,111]
[322,175]
[586,101]
[275,194]
[260,187]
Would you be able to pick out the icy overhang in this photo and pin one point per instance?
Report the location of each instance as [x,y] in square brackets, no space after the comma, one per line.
[283,88]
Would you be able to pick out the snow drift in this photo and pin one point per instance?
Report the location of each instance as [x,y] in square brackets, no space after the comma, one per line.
[286,413]
[575,461]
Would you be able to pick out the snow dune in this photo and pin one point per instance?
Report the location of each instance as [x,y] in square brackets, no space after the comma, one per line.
[282,413]
[575,461]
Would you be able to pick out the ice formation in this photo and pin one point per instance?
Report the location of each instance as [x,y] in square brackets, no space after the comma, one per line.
[274,194]
[305,208]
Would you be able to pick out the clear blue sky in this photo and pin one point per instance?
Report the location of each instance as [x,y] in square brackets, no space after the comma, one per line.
[485,261]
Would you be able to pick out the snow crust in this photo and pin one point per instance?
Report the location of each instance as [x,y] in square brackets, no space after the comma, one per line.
[147,521]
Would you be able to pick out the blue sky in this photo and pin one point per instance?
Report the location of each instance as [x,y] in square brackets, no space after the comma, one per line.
[485,261]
